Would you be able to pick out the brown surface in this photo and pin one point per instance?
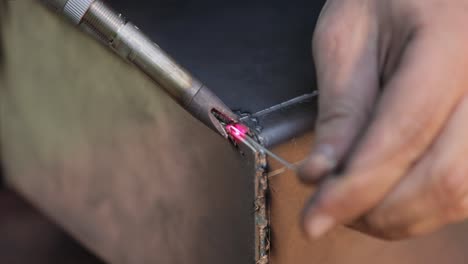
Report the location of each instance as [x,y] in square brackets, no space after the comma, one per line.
[345,246]
[27,237]
[109,156]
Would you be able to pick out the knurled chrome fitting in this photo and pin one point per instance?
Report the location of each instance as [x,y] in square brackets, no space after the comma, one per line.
[76,9]
[103,21]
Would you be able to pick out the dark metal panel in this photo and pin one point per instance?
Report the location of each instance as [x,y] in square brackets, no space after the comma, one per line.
[284,121]
[253,54]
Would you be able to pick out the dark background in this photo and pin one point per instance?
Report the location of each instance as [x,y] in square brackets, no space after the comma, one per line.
[253,54]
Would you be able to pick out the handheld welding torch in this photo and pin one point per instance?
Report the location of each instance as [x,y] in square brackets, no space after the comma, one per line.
[102,22]
[111,28]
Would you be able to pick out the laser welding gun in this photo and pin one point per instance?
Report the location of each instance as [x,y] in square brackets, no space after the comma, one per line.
[111,28]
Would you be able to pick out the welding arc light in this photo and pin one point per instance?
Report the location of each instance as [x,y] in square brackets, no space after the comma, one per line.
[237,131]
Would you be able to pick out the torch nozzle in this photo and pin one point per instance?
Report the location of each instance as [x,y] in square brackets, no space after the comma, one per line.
[241,133]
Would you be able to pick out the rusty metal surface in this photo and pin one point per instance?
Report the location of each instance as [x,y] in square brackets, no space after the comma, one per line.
[262,212]
[116,163]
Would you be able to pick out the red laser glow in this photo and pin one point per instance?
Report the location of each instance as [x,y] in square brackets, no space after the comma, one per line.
[237,131]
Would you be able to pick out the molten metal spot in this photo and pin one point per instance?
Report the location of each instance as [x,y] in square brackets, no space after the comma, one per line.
[237,131]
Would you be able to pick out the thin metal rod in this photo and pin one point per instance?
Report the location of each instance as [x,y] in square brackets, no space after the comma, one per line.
[257,146]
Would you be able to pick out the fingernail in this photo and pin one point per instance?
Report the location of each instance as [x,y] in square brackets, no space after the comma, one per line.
[322,160]
[319,225]
[327,154]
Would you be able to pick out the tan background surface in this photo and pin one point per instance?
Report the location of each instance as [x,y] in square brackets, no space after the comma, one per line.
[345,246]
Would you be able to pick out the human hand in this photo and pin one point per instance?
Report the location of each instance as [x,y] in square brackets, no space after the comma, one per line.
[392,132]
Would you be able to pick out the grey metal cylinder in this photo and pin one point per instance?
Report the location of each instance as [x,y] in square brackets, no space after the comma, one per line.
[131,44]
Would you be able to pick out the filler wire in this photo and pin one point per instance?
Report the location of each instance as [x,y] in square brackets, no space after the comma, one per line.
[257,146]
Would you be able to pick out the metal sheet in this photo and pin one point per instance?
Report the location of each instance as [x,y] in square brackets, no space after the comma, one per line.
[116,162]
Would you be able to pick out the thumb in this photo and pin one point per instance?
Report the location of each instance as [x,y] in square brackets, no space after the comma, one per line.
[345,53]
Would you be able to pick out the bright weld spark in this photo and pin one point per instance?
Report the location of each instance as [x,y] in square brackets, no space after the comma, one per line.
[239,132]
